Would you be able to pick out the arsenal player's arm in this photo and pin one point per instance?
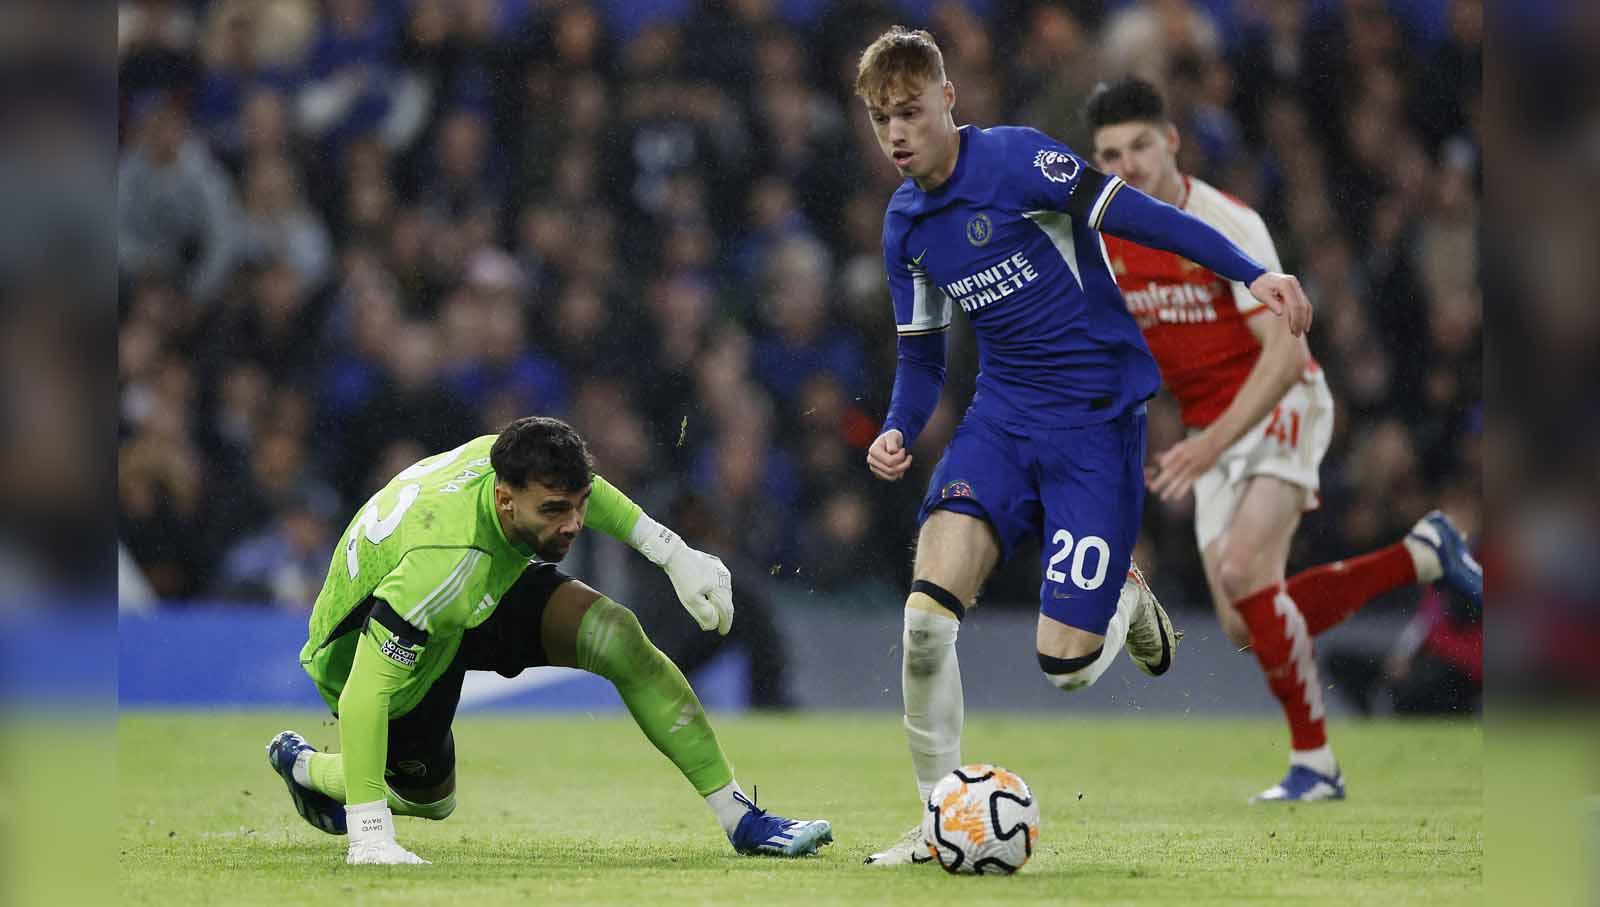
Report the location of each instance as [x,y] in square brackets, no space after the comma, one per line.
[1283,360]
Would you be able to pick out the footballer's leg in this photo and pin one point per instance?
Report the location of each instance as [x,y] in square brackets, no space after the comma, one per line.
[420,775]
[981,501]
[1433,551]
[581,628]
[955,553]
[420,770]
[1245,564]
[1092,489]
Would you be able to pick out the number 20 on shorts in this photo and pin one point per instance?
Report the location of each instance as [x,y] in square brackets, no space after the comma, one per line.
[1079,554]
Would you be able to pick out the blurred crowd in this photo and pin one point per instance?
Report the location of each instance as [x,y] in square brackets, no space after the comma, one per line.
[354,232]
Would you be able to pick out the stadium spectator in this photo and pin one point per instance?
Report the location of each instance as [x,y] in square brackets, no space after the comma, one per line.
[804,339]
[251,50]
[506,365]
[278,223]
[283,565]
[176,208]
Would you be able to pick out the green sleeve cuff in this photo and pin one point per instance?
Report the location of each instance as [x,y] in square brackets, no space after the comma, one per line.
[611,512]
[364,714]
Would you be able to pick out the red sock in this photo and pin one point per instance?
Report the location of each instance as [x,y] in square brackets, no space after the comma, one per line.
[1330,593]
[1282,644]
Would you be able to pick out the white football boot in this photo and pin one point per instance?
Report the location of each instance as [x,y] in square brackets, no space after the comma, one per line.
[1151,640]
[910,850]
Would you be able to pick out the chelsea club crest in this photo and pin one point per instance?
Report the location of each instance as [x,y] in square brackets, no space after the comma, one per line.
[979,230]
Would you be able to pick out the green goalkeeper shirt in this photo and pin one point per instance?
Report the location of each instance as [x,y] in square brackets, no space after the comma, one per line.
[429,544]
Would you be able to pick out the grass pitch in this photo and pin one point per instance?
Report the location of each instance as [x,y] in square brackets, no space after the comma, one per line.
[582,810]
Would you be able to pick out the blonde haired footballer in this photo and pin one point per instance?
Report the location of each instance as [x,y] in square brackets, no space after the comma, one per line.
[1260,417]
[1005,224]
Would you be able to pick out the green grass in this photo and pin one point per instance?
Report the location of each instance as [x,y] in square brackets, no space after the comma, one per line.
[582,810]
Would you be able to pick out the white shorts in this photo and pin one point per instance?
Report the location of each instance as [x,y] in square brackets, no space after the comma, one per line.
[1288,444]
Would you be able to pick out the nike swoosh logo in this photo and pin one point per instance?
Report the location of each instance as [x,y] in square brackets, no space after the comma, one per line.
[1166,651]
[1057,593]
[918,260]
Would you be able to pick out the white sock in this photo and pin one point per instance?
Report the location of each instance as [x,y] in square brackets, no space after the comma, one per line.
[1117,630]
[930,679]
[1423,557]
[302,768]
[1116,635]
[727,807]
[1319,760]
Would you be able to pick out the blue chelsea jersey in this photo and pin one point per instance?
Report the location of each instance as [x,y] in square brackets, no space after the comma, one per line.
[1012,239]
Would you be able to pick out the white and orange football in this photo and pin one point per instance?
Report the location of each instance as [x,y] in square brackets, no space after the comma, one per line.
[981,819]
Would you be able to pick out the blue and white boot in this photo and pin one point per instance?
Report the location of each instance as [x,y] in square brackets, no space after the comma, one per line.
[1460,570]
[761,832]
[320,810]
[1303,784]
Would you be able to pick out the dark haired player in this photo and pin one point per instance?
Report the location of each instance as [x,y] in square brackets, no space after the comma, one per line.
[1260,417]
[450,568]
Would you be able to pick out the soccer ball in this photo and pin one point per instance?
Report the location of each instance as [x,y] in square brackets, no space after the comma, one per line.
[981,819]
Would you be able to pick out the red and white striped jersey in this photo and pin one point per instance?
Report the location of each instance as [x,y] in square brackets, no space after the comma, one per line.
[1193,319]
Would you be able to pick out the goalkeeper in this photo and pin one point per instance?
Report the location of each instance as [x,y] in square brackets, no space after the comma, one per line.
[450,568]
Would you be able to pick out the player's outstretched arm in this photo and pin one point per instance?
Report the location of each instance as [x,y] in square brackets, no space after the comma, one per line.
[702,582]
[1126,212]
[384,660]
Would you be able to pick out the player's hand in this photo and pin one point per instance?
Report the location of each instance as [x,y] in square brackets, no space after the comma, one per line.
[1282,295]
[1181,466]
[703,585]
[887,457]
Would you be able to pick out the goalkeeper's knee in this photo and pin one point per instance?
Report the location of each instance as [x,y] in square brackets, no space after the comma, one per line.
[612,644]
[438,809]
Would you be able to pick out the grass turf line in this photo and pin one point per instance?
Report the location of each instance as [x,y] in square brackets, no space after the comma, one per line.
[1136,810]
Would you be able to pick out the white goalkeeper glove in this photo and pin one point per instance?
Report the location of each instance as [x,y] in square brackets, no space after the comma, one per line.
[372,841]
[701,581]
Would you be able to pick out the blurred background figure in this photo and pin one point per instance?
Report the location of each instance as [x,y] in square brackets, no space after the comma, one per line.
[177,212]
[283,565]
[1435,667]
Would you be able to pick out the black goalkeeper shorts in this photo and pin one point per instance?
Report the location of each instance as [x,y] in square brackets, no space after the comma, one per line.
[422,751]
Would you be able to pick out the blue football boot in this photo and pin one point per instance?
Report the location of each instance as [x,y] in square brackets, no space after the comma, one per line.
[1461,570]
[1303,784]
[322,811]
[761,832]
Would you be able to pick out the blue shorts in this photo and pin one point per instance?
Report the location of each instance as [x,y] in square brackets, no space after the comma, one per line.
[1080,491]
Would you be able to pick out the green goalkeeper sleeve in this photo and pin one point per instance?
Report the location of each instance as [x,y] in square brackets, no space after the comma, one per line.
[611,511]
